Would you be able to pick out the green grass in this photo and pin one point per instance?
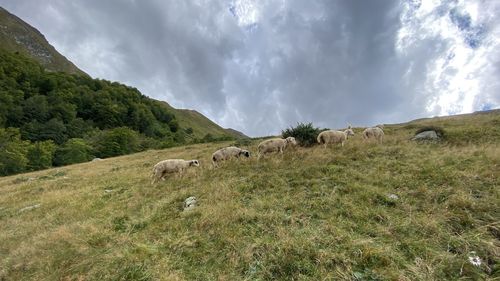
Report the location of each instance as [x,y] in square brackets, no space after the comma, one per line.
[312,214]
[200,124]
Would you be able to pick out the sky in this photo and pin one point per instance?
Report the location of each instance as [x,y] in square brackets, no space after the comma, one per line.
[262,66]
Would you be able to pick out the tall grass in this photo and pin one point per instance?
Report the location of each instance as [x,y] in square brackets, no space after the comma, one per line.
[311,214]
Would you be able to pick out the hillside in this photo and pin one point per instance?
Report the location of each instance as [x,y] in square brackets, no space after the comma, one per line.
[393,211]
[18,36]
[200,124]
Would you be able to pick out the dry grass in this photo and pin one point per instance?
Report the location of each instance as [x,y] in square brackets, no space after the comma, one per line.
[312,214]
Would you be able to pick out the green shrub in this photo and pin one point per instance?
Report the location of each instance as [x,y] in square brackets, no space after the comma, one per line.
[304,134]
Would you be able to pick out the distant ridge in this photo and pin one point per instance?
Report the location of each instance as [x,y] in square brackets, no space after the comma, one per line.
[201,125]
[18,36]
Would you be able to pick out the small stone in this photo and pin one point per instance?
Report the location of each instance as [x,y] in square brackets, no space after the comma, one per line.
[108,190]
[393,196]
[29,208]
[190,203]
[96,159]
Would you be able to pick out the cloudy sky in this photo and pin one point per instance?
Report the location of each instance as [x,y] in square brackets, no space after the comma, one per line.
[261,66]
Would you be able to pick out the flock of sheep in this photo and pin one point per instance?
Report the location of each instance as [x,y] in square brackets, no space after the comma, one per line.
[170,166]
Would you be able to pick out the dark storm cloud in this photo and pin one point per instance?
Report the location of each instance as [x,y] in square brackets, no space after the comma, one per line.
[260,66]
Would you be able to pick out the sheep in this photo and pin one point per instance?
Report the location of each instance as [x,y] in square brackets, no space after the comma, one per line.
[227,153]
[381,126]
[331,136]
[170,166]
[373,132]
[276,144]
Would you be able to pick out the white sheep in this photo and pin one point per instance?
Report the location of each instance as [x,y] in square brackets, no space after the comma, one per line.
[381,126]
[170,166]
[227,153]
[331,136]
[373,132]
[276,144]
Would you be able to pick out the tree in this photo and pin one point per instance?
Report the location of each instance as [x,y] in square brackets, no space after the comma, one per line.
[73,151]
[116,142]
[40,155]
[12,152]
[36,108]
[52,130]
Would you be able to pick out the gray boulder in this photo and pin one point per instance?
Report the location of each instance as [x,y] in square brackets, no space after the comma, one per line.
[426,135]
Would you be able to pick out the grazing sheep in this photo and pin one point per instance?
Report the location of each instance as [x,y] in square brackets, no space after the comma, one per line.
[381,126]
[170,166]
[227,153]
[331,136]
[277,144]
[373,132]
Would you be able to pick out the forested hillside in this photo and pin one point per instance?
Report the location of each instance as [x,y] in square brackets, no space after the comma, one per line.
[49,118]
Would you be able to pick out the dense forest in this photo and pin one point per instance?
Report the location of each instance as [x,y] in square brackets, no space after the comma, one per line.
[54,118]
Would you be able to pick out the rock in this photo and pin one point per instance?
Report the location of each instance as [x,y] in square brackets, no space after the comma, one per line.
[426,135]
[393,196]
[108,190]
[190,203]
[96,159]
[29,208]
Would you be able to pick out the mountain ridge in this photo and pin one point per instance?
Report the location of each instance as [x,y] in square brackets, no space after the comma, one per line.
[18,36]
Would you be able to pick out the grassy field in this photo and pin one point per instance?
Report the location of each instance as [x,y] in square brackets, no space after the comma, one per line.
[395,211]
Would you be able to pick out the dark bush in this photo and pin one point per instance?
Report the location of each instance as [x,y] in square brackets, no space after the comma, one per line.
[304,134]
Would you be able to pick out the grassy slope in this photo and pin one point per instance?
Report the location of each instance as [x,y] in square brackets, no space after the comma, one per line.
[201,125]
[17,35]
[307,215]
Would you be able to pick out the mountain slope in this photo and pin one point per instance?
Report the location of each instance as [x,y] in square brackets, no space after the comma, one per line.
[394,211]
[18,36]
[200,124]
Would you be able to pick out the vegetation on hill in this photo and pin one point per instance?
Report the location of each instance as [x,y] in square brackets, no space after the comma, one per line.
[198,127]
[394,211]
[305,134]
[64,119]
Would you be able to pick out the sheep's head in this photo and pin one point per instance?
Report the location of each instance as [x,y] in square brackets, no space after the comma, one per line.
[349,131]
[246,153]
[291,140]
[194,163]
